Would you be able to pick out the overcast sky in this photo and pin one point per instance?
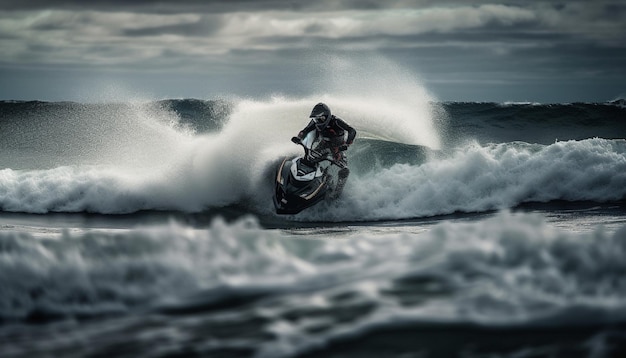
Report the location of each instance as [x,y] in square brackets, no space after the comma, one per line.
[540,51]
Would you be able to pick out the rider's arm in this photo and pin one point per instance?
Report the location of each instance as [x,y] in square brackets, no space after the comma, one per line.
[346,127]
[306,130]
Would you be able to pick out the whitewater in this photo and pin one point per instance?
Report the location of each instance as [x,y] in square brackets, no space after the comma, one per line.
[145,227]
[157,163]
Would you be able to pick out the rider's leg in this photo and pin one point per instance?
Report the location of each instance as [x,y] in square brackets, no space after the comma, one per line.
[341,181]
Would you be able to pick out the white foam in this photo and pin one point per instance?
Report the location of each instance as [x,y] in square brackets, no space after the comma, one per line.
[124,158]
[138,157]
[103,271]
[478,178]
[510,269]
[229,167]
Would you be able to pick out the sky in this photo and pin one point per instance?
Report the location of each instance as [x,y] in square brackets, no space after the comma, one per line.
[494,51]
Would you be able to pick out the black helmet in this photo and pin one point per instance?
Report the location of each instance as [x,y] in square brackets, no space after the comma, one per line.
[321,115]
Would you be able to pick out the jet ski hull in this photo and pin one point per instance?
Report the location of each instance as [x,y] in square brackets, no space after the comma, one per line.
[291,196]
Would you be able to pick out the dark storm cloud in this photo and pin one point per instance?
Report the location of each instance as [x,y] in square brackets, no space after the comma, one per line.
[208,5]
[612,8]
[451,42]
[203,27]
[151,6]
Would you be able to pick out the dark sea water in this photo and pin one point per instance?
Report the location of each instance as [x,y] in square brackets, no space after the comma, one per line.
[147,229]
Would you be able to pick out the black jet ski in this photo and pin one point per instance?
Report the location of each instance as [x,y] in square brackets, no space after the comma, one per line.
[303,181]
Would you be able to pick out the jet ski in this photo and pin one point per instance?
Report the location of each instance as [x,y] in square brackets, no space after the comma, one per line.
[305,180]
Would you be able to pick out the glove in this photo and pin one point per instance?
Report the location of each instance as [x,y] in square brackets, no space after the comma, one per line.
[296,140]
[343,147]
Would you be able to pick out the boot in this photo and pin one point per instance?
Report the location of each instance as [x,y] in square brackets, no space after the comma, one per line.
[341,182]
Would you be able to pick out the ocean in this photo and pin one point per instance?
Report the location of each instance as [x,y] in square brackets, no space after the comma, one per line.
[145,228]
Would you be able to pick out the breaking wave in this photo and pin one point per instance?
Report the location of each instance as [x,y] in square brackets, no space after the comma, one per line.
[510,270]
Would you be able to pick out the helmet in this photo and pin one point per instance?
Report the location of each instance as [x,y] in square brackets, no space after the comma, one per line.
[321,115]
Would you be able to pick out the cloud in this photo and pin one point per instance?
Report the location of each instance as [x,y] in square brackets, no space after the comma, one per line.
[364,23]
[70,31]
[206,25]
[472,39]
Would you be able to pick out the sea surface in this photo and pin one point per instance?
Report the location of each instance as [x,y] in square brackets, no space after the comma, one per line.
[145,228]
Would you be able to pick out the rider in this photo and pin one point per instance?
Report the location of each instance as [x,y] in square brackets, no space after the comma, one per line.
[332,131]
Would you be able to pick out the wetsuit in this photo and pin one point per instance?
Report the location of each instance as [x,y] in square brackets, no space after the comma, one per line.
[333,136]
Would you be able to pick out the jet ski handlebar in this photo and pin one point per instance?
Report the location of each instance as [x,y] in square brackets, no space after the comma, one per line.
[316,156]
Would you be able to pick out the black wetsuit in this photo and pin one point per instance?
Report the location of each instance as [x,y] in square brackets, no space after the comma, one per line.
[333,133]
[333,136]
